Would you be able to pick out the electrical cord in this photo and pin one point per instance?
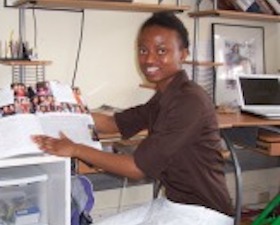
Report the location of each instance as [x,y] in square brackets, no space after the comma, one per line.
[35,32]
[121,197]
[79,48]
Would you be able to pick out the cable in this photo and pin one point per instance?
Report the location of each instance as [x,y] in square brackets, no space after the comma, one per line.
[79,47]
[35,29]
[120,204]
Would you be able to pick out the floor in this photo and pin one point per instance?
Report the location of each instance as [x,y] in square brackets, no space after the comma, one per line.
[246,223]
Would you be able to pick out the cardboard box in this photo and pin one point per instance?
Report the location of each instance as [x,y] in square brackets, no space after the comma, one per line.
[269,142]
[269,148]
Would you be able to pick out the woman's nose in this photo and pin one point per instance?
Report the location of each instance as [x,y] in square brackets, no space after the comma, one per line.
[151,57]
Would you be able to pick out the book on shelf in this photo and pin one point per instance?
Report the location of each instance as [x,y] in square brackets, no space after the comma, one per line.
[265,7]
[247,5]
[48,110]
[275,4]
[227,5]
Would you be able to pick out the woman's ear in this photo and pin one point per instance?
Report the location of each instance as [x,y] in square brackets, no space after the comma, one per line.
[185,54]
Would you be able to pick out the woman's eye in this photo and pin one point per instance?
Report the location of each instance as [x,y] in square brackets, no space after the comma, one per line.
[142,51]
[161,51]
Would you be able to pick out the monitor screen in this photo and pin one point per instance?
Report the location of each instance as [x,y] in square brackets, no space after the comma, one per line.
[258,91]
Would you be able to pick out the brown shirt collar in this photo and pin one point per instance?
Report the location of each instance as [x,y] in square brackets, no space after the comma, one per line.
[179,79]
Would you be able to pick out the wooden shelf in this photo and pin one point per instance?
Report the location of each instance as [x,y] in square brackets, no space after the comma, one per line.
[117,136]
[25,62]
[100,5]
[203,63]
[149,86]
[236,15]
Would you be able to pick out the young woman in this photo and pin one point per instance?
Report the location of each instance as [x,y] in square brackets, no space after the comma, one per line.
[182,147]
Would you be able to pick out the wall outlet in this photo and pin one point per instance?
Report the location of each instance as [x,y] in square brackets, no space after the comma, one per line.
[264,197]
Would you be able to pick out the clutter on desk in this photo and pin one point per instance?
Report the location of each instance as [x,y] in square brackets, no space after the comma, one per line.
[106,109]
[227,109]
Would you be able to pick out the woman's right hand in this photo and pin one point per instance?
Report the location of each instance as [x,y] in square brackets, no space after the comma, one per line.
[61,146]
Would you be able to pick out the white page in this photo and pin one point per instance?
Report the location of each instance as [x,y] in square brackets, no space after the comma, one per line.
[15,135]
[74,126]
[62,92]
[6,97]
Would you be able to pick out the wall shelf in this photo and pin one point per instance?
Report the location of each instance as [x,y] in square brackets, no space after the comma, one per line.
[25,62]
[28,72]
[236,15]
[99,5]
[147,85]
[203,63]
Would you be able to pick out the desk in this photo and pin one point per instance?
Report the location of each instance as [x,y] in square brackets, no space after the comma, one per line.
[228,121]
[231,120]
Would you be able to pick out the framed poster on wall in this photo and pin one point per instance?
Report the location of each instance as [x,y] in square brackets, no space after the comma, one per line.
[241,50]
[9,3]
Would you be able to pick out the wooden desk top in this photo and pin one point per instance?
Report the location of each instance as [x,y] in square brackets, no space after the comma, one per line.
[229,120]
[225,120]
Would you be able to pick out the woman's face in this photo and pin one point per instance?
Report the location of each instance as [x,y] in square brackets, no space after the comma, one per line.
[160,54]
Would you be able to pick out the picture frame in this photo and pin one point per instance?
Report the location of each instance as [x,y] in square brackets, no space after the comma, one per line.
[240,48]
[33,5]
[9,3]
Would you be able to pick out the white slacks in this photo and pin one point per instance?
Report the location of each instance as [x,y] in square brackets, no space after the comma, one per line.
[164,212]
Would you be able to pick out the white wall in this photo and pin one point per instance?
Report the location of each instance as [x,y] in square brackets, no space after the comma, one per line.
[107,72]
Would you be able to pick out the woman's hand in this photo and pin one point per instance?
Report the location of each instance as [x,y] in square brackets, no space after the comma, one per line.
[62,146]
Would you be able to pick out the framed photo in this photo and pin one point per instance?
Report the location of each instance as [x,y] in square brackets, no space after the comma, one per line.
[9,3]
[241,50]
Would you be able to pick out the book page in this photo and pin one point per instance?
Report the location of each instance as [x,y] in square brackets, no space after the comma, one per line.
[6,97]
[62,92]
[15,135]
[76,127]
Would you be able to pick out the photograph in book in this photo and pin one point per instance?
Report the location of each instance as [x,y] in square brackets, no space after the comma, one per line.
[43,98]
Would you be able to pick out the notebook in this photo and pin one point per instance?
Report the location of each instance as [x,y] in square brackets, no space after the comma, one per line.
[260,94]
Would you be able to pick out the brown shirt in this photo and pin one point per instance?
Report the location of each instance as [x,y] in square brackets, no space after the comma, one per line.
[182,148]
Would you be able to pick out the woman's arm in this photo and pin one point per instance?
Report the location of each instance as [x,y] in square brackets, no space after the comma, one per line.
[105,123]
[123,165]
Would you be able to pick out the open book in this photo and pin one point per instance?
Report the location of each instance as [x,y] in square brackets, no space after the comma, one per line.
[16,131]
[48,109]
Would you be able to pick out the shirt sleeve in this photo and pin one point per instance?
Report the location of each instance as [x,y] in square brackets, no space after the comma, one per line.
[174,131]
[132,121]
[135,119]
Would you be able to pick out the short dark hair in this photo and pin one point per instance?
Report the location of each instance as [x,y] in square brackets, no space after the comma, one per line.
[170,21]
